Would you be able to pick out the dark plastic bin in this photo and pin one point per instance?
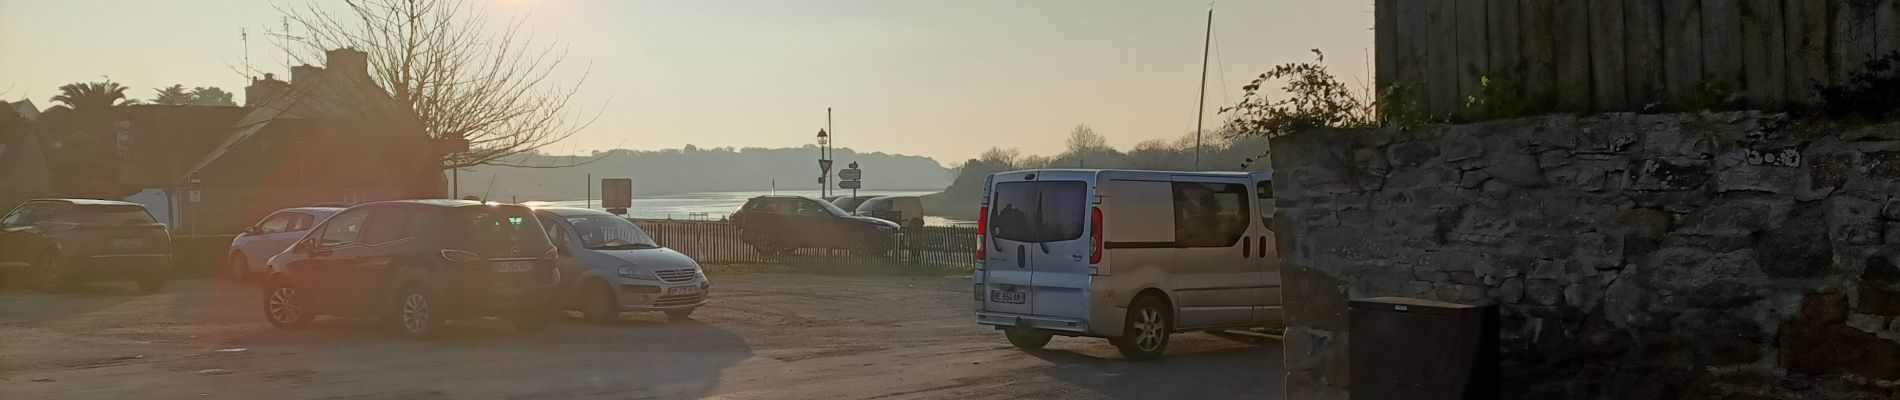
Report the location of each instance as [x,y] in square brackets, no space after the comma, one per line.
[1404,348]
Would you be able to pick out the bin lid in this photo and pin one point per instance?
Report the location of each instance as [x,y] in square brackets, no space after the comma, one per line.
[1407,304]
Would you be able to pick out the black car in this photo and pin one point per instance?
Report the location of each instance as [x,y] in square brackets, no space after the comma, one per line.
[417,263]
[64,242]
[777,224]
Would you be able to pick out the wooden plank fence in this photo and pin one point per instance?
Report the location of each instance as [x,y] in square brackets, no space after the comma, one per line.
[1627,55]
[719,242]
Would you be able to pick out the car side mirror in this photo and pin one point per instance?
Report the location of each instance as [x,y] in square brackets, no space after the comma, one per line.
[304,246]
[563,251]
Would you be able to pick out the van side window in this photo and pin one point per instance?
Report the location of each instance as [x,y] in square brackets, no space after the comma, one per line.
[1266,204]
[1209,214]
[387,225]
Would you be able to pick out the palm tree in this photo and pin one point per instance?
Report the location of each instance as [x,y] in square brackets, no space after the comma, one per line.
[92,95]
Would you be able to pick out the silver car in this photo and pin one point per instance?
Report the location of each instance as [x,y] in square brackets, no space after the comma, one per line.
[258,243]
[609,265]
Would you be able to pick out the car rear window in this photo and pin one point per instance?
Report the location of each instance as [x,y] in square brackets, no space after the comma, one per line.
[1050,211]
[102,214]
[497,231]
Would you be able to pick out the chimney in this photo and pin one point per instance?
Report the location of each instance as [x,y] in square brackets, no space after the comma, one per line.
[347,62]
[304,74]
[263,90]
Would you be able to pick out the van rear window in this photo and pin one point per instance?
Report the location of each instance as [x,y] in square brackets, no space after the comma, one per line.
[103,214]
[1035,212]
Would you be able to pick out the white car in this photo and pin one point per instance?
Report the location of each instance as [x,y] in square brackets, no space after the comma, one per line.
[258,243]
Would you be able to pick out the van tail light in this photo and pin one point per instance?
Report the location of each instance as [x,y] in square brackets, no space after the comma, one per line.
[1095,235]
[982,232]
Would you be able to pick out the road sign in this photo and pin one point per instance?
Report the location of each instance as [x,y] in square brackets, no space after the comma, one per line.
[616,193]
[195,196]
[824,165]
[853,185]
[850,174]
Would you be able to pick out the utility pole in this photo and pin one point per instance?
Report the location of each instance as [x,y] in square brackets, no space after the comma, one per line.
[829,153]
[1200,105]
[590,190]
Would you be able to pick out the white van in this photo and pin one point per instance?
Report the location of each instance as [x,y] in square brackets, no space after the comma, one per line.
[1131,256]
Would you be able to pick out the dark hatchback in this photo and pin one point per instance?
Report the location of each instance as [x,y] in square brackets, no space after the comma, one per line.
[777,224]
[64,242]
[417,264]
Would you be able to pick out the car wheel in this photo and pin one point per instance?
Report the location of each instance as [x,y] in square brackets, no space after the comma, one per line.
[533,319]
[417,313]
[54,275]
[1029,339]
[152,282]
[240,270]
[679,315]
[1145,332]
[281,306]
[598,304]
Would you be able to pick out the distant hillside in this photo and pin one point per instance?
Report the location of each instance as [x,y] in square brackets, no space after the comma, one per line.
[689,170]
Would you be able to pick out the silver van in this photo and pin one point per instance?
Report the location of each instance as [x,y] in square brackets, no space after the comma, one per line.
[1132,256]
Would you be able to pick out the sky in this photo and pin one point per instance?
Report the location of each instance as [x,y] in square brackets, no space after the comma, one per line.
[943,79]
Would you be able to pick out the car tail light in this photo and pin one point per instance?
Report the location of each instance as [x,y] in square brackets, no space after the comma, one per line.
[1095,236]
[982,232]
[459,256]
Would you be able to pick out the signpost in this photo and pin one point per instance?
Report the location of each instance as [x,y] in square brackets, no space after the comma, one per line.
[849,178]
[616,195]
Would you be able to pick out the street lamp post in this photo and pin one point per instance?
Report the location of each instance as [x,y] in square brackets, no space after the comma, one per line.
[824,163]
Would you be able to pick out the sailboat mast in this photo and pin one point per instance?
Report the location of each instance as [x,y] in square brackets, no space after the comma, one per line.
[1200,105]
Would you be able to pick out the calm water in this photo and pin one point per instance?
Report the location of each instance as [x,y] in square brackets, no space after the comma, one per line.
[717,205]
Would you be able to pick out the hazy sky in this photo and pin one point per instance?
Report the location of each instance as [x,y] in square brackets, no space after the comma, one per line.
[945,79]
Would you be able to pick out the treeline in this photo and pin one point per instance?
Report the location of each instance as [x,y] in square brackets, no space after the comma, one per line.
[691,170]
[1219,151]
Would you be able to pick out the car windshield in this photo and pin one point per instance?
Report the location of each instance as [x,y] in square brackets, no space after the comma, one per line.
[114,214]
[604,232]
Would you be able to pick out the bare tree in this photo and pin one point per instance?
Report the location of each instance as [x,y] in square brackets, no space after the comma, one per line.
[464,78]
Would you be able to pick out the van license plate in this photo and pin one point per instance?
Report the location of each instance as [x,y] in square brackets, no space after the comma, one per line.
[999,296]
[682,290]
[514,266]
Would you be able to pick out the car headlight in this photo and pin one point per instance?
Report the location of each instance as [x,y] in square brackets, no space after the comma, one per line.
[631,272]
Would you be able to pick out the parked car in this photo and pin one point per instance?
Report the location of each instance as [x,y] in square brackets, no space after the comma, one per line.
[65,242]
[1132,256]
[850,203]
[418,263]
[906,211]
[778,224]
[609,265]
[271,235]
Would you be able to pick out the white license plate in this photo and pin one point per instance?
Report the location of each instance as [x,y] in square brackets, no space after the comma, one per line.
[682,290]
[999,296]
[514,266]
[126,244]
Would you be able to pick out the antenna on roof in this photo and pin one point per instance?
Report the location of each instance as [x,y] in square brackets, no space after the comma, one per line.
[244,34]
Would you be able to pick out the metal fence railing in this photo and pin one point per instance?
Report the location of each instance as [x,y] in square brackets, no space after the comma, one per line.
[719,242]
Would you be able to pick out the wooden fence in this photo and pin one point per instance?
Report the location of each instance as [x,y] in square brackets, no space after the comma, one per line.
[1624,55]
[719,242]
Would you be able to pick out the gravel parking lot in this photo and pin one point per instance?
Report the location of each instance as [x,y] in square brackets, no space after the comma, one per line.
[764,336]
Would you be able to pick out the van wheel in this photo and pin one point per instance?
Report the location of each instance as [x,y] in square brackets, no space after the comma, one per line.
[598,304]
[1028,339]
[417,314]
[1145,332]
[281,306]
[54,275]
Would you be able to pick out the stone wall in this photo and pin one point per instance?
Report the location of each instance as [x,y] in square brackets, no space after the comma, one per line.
[1732,255]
